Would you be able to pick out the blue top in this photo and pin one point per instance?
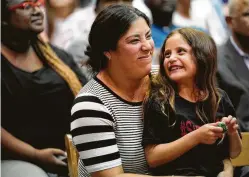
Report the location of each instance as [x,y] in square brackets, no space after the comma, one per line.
[160,33]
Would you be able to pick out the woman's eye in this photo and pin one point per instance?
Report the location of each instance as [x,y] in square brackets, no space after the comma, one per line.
[134,41]
[148,36]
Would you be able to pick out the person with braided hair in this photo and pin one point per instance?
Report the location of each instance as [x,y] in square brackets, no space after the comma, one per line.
[39,83]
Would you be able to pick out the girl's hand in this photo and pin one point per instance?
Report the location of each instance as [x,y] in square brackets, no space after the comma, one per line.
[231,123]
[209,133]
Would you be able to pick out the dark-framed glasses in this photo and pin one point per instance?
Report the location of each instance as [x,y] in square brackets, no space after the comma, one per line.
[26,5]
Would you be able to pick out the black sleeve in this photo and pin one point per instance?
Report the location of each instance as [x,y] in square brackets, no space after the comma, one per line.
[154,124]
[227,105]
[68,59]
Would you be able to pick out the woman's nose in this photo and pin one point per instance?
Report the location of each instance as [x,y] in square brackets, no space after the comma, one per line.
[147,45]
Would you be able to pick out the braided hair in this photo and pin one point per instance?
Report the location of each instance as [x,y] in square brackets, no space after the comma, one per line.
[58,65]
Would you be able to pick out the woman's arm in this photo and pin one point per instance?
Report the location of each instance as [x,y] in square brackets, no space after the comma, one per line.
[163,153]
[27,152]
[18,147]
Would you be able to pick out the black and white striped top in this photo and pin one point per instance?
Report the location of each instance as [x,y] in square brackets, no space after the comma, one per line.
[107,130]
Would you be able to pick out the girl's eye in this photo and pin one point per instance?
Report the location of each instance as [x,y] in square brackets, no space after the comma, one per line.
[181,51]
[166,55]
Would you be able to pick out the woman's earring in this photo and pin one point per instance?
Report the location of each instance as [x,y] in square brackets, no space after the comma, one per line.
[107,54]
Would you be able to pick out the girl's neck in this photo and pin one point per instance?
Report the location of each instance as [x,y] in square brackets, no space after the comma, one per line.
[132,90]
[189,93]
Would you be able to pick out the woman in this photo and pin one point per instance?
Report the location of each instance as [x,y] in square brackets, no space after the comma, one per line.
[107,113]
[181,133]
[39,83]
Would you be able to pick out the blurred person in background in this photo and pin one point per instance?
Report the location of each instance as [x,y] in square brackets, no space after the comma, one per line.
[140,5]
[38,85]
[68,22]
[162,11]
[205,15]
[233,64]
[68,26]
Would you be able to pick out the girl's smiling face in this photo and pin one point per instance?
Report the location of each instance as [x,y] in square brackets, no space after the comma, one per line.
[179,61]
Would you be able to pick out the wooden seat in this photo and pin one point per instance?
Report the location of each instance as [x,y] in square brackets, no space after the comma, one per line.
[243,158]
[72,156]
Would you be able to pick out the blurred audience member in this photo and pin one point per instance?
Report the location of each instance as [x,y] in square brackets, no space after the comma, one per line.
[162,17]
[38,85]
[140,5]
[162,11]
[67,22]
[202,14]
[84,3]
[233,66]
[183,16]
[101,4]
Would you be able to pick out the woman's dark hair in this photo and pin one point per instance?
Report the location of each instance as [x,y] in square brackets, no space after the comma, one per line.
[109,26]
[205,54]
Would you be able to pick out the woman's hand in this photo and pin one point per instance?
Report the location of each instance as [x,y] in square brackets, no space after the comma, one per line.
[209,133]
[48,156]
[231,123]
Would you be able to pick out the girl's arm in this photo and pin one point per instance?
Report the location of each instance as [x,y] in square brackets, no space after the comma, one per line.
[235,143]
[163,153]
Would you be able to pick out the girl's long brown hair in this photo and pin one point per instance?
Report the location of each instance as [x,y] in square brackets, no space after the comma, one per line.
[163,90]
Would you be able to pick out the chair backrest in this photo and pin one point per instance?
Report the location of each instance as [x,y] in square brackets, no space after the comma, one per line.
[72,156]
[243,158]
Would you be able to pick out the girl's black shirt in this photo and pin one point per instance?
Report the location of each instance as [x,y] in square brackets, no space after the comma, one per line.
[203,159]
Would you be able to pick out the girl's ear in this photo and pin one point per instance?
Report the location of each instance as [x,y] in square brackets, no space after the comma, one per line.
[108,55]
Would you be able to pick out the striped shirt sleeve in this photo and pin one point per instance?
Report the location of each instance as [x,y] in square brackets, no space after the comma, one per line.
[93,134]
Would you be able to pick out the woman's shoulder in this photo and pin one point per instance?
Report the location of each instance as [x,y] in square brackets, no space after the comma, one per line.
[91,87]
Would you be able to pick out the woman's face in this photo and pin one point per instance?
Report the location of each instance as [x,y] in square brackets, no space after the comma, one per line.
[134,50]
[179,61]
[26,15]
[61,3]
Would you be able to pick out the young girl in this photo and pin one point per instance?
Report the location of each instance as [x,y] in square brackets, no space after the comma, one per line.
[183,109]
